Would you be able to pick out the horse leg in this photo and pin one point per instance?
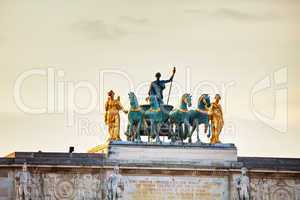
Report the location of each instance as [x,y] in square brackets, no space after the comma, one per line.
[148,133]
[171,132]
[192,131]
[176,132]
[157,129]
[138,136]
[186,129]
[149,137]
[181,132]
[130,131]
[152,129]
[127,133]
[207,127]
[198,137]
[146,129]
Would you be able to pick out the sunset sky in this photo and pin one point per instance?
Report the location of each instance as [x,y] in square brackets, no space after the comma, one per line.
[236,45]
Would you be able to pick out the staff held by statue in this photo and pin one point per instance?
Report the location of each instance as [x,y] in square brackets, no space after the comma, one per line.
[174,71]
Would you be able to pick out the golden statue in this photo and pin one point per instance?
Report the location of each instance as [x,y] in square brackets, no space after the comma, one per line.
[112,120]
[112,116]
[216,117]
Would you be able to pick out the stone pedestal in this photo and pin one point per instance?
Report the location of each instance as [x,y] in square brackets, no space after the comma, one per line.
[196,154]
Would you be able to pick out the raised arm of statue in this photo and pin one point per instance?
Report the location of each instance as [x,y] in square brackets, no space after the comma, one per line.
[171,78]
[121,106]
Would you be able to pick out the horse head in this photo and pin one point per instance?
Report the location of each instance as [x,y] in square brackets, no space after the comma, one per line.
[186,99]
[204,102]
[133,100]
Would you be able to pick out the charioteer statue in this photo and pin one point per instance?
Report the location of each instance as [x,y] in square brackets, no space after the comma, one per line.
[157,86]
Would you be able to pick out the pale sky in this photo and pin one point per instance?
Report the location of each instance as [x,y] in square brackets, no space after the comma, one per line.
[232,43]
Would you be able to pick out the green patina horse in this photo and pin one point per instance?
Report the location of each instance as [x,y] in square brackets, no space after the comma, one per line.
[181,119]
[135,119]
[200,116]
[154,117]
[150,120]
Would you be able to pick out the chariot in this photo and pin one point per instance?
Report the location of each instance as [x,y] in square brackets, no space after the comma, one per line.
[157,119]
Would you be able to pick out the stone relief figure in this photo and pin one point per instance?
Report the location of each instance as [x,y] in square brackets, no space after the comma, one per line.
[115,185]
[23,182]
[87,187]
[243,185]
[265,189]
[297,189]
[36,189]
[112,116]
[48,186]
[217,120]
